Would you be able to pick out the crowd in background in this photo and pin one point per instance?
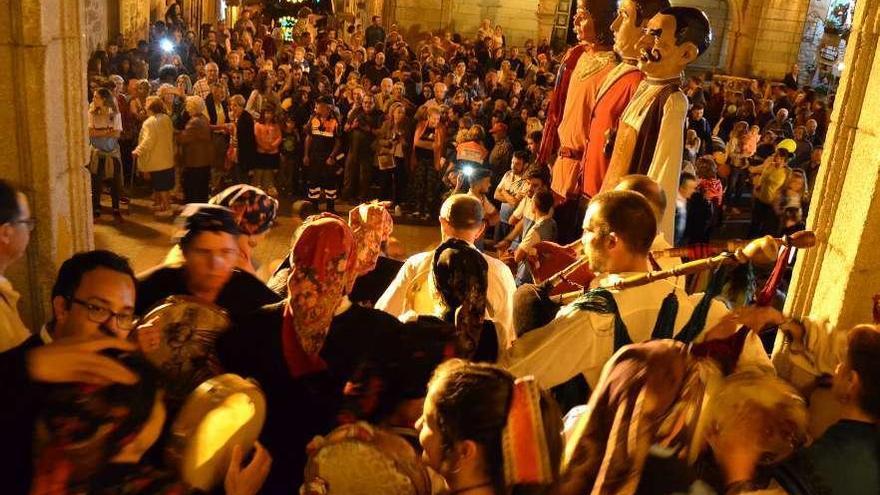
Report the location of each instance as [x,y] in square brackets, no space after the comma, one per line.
[674,392]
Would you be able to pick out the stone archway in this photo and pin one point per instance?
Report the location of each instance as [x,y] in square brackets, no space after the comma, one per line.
[721,17]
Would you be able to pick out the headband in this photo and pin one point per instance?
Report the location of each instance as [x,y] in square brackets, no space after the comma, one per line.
[526,455]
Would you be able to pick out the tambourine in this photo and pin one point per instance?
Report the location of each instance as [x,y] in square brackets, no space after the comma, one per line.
[219,414]
[178,335]
[360,459]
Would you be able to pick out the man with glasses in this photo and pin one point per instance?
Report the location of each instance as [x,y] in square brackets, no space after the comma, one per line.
[93,296]
[93,306]
[16,225]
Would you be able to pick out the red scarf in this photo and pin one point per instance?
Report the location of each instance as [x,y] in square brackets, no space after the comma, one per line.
[322,260]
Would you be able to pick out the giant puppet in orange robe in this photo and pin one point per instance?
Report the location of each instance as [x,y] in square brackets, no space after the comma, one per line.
[616,90]
[582,72]
[650,137]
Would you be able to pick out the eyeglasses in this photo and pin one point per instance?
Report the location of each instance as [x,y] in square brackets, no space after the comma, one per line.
[29,223]
[99,314]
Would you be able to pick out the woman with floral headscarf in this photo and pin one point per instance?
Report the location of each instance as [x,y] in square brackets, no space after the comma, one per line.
[460,278]
[303,350]
[371,224]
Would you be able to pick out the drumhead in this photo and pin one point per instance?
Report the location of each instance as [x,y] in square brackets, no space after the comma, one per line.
[363,460]
[222,412]
[178,335]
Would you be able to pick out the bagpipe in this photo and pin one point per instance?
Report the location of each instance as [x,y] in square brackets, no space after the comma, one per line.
[536,304]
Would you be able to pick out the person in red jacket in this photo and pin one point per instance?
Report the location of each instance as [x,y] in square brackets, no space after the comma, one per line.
[616,90]
[583,69]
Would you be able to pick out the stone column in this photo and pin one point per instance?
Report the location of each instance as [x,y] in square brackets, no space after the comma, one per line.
[837,278]
[43,138]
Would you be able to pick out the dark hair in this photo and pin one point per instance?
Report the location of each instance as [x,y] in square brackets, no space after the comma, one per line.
[686,176]
[691,26]
[863,357]
[646,9]
[630,216]
[168,73]
[108,98]
[74,268]
[9,207]
[543,201]
[698,106]
[536,136]
[538,172]
[472,401]
[603,14]
[261,84]
[521,155]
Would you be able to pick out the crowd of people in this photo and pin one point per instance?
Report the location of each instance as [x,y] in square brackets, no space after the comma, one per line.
[329,115]
[455,363]
[758,137]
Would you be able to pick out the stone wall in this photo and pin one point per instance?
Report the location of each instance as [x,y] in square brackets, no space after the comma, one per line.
[812,38]
[134,21]
[517,17]
[721,20]
[778,37]
[43,137]
[837,278]
[96,27]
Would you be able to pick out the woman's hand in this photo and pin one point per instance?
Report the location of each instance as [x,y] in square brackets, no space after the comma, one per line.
[247,480]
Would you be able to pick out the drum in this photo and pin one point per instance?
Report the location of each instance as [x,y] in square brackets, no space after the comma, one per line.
[178,336]
[359,459]
[222,412]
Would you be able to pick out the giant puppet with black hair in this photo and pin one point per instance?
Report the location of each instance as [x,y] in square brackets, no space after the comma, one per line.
[617,89]
[583,69]
[650,137]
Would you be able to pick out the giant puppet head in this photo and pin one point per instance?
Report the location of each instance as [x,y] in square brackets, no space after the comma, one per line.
[632,16]
[592,21]
[673,38]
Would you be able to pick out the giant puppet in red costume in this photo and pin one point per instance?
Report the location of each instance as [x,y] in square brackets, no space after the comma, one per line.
[583,69]
[650,137]
[616,90]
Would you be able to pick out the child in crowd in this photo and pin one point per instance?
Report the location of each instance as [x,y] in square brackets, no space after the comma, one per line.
[542,229]
[704,207]
[792,201]
[269,136]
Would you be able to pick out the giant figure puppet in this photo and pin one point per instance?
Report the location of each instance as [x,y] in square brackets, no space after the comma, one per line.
[581,73]
[616,90]
[650,138]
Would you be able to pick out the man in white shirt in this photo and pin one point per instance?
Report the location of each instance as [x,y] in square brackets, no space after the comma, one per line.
[461,217]
[16,224]
[619,229]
